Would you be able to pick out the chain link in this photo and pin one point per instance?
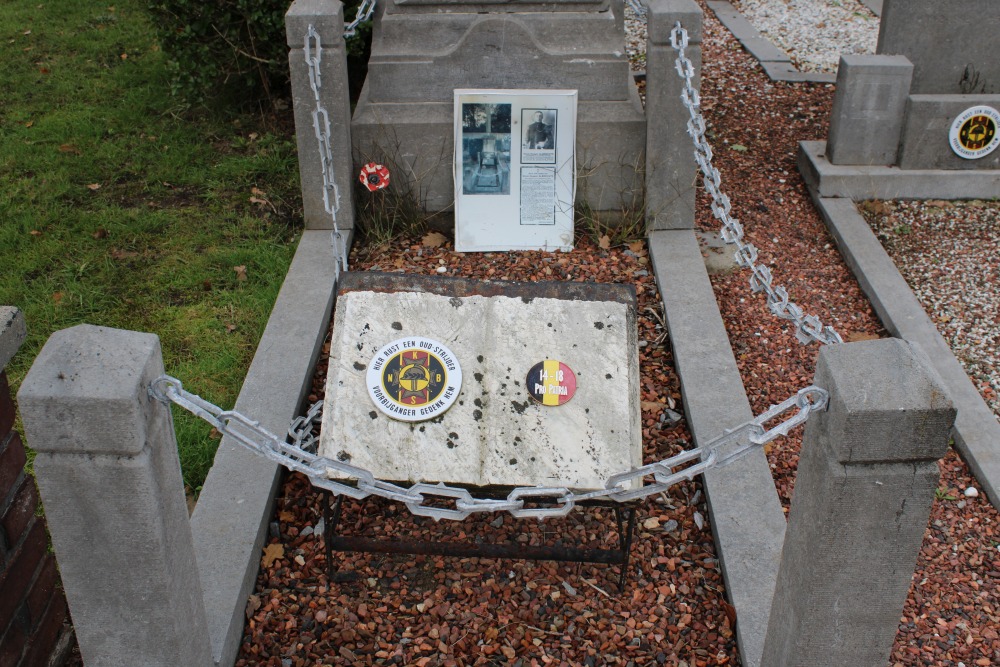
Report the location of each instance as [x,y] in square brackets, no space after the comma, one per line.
[321,126]
[299,455]
[808,328]
[365,11]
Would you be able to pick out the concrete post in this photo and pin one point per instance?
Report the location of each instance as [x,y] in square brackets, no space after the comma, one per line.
[866,480]
[670,165]
[110,480]
[868,109]
[327,18]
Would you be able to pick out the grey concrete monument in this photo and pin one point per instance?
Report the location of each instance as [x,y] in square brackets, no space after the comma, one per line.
[927,107]
[867,114]
[422,50]
[952,45]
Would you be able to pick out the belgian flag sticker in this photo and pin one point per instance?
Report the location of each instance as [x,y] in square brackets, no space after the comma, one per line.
[551,382]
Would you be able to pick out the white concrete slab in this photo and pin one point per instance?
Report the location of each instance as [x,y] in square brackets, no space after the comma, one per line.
[495,434]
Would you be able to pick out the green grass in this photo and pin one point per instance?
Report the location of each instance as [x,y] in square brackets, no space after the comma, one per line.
[118,207]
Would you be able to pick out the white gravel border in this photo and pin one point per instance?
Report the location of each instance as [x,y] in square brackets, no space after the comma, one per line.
[948,253]
[814,33]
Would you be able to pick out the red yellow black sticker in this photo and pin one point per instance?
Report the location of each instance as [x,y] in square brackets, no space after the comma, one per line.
[413,379]
[974,132]
[551,382]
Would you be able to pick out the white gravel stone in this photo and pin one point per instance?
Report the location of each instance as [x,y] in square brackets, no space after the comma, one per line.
[814,32]
[947,252]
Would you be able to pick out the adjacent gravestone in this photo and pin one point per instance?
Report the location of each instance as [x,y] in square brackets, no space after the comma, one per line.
[423,50]
[929,99]
[952,45]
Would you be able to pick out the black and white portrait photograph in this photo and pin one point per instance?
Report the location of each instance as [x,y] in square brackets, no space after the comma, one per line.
[538,140]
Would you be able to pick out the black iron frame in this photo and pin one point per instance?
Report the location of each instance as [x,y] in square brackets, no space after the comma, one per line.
[625,515]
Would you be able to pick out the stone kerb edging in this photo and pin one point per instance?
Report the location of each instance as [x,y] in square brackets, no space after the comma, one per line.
[229,524]
[976,432]
[776,63]
[747,518]
[13,331]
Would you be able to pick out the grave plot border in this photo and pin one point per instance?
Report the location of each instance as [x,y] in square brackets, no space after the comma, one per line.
[976,431]
[229,524]
[775,62]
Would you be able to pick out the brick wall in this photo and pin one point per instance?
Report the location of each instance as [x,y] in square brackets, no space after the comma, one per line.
[32,604]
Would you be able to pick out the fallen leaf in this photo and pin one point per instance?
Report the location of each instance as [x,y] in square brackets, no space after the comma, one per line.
[230,328]
[651,406]
[29,123]
[241,273]
[434,240]
[69,148]
[253,604]
[286,516]
[638,247]
[257,191]
[57,296]
[124,56]
[44,70]
[604,242]
[272,552]
[94,186]
[26,32]
[35,232]
[206,285]
[101,233]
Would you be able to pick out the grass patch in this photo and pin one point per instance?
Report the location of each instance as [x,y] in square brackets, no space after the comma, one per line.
[117,209]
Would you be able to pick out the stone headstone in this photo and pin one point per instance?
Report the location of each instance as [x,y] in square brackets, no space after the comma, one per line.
[953,45]
[867,115]
[422,50]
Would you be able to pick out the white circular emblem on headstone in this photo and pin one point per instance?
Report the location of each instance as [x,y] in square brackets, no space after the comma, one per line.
[974,132]
[414,379]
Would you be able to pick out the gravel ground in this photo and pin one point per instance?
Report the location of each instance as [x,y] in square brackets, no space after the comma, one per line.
[814,32]
[417,610]
[947,251]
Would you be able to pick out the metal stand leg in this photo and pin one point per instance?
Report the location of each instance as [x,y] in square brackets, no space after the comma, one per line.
[331,518]
[625,540]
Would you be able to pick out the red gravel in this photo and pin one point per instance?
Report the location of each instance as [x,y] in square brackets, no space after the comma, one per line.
[429,611]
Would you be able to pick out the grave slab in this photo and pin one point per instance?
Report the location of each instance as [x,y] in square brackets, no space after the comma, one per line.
[495,434]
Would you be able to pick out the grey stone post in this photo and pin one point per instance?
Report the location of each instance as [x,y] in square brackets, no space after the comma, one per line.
[327,18]
[670,165]
[865,484]
[868,109]
[110,480]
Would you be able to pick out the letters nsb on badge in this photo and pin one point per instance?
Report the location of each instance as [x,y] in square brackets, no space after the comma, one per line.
[414,379]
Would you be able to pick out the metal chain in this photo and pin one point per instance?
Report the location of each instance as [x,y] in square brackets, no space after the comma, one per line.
[321,125]
[365,11]
[808,328]
[637,7]
[299,455]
